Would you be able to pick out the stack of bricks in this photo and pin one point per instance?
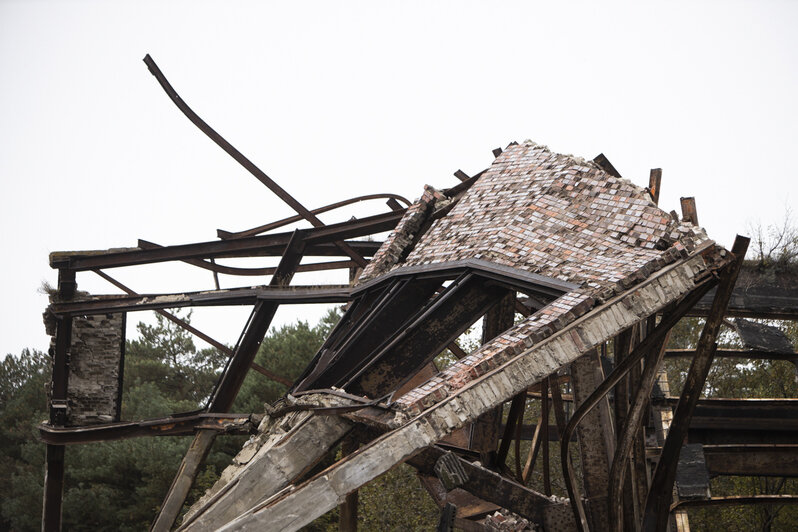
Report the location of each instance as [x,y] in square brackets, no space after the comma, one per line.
[558,216]
[95,360]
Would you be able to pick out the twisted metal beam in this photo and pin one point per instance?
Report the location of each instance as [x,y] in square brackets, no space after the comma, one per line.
[227,235]
[241,159]
[669,319]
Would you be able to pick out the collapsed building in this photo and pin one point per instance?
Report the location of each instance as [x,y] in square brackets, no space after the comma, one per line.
[559,257]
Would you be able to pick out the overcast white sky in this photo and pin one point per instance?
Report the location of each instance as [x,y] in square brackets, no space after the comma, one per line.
[337,99]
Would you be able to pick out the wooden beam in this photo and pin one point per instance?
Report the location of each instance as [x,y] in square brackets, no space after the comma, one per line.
[630,432]
[605,164]
[622,345]
[53,488]
[489,485]
[689,211]
[544,421]
[737,500]
[752,460]
[484,436]
[462,176]
[267,466]
[654,183]
[596,438]
[186,473]
[515,416]
[750,354]
[532,455]
[347,512]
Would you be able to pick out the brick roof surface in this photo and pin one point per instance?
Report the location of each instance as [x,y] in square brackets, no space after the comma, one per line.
[555,215]
[546,213]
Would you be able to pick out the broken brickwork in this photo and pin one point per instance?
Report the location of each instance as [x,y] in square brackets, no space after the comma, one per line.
[96,358]
[95,364]
[399,243]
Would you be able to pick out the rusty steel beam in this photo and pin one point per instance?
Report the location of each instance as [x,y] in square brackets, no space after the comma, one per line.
[226,235]
[196,332]
[209,298]
[449,315]
[669,319]
[736,500]
[54,459]
[178,425]
[234,270]
[242,160]
[211,265]
[655,517]
[751,354]
[630,431]
[318,241]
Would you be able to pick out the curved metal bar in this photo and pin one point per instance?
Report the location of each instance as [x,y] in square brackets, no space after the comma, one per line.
[241,159]
[630,430]
[227,235]
[669,319]
[234,270]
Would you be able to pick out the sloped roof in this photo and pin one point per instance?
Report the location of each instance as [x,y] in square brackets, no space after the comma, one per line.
[550,214]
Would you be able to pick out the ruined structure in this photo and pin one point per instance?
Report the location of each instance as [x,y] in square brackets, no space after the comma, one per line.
[585,258]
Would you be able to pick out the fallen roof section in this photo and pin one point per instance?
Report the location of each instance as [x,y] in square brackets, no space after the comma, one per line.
[534,211]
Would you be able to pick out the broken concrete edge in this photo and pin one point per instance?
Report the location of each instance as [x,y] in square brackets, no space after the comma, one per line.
[327,489]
